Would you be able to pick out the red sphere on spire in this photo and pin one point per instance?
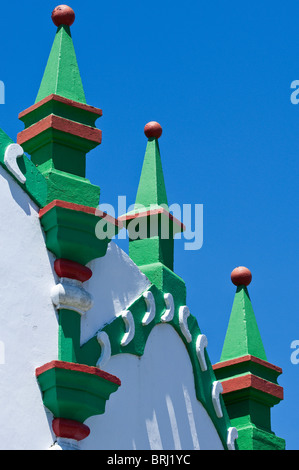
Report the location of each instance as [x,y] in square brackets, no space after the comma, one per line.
[153,130]
[63,14]
[241,276]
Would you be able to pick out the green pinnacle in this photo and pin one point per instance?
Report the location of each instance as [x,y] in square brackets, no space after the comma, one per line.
[150,225]
[60,127]
[243,336]
[62,76]
[151,190]
[249,381]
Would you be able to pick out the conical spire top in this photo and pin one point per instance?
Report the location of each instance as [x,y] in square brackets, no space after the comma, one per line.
[243,336]
[62,75]
[151,189]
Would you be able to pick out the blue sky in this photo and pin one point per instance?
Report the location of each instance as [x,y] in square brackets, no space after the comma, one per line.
[216,76]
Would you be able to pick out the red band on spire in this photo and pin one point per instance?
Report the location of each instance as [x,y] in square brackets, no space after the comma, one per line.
[72,270]
[70,429]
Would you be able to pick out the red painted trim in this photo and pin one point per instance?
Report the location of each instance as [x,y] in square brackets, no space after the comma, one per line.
[78,368]
[250,380]
[150,212]
[79,208]
[70,429]
[63,125]
[72,270]
[61,99]
[249,357]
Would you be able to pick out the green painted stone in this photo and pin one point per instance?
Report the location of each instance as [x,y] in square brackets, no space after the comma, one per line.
[58,146]
[69,332]
[62,76]
[249,408]
[253,438]
[90,352]
[151,234]
[242,336]
[76,395]
[54,184]
[61,108]
[36,185]
[151,189]
[71,234]
[70,188]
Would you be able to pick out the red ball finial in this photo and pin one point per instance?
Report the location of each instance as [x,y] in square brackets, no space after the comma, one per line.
[153,130]
[63,14]
[241,276]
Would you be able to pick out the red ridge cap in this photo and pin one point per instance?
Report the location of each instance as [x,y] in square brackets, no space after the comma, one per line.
[250,380]
[80,208]
[70,429]
[78,368]
[74,104]
[72,270]
[150,212]
[247,358]
[60,124]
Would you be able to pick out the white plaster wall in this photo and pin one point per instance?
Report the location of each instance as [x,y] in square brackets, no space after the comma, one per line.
[115,284]
[155,408]
[28,321]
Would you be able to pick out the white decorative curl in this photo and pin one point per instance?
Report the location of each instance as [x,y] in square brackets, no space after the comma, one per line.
[169,313]
[184,313]
[216,392]
[151,308]
[12,153]
[104,342]
[130,327]
[232,435]
[201,344]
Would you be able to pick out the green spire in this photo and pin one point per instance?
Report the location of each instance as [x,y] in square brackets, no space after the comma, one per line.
[62,75]
[150,225]
[249,381]
[60,128]
[151,189]
[243,336]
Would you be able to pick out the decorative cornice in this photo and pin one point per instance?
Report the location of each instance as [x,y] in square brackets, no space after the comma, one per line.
[59,124]
[247,381]
[72,231]
[80,208]
[126,218]
[74,104]
[74,392]
[71,366]
[247,358]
